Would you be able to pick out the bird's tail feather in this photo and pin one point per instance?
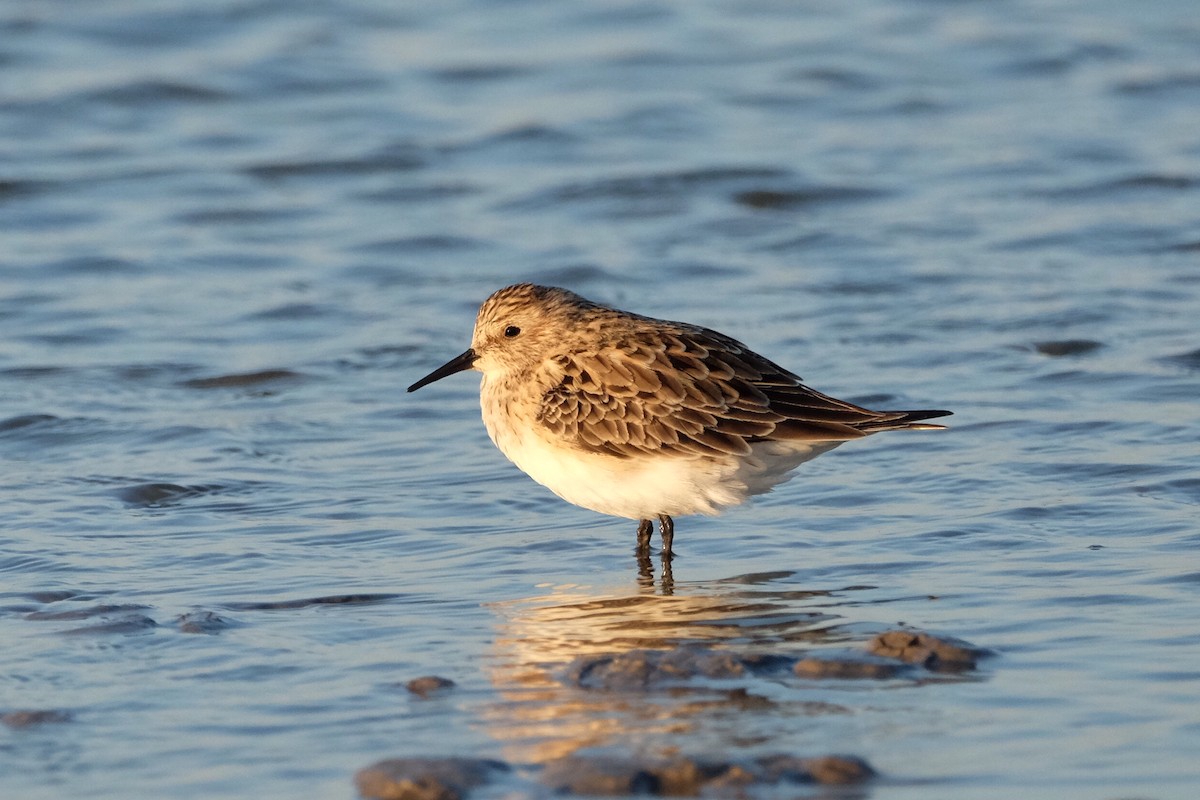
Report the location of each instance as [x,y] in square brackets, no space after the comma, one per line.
[906,421]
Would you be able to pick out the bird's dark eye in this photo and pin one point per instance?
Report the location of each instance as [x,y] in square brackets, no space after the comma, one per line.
[511,331]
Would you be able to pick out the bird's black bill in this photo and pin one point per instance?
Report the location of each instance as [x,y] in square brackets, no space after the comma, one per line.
[457,364]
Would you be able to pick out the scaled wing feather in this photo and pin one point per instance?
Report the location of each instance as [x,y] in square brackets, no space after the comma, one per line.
[675,394]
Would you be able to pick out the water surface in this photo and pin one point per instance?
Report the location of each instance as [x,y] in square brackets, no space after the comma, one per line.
[234,232]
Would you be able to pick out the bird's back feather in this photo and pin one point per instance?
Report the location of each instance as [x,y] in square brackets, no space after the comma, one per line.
[671,388]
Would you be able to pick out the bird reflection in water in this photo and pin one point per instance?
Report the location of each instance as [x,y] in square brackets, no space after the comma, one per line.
[582,669]
[646,574]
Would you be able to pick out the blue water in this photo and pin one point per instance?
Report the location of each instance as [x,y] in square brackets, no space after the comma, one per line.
[233,232]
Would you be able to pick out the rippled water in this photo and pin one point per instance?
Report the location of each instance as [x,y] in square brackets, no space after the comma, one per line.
[234,231]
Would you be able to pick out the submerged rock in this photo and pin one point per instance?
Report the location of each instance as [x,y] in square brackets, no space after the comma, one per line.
[601,776]
[832,770]
[935,653]
[642,669]
[101,610]
[28,717]
[425,778]
[202,622]
[243,379]
[688,777]
[605,775]
[51,596]
[889,655]
[131,623]
[1066,347]
[428,685]
[330,600]
[851,666]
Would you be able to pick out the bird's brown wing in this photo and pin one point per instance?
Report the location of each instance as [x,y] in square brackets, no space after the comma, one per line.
[692,391]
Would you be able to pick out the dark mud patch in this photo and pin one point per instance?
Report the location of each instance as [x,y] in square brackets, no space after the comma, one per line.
[1066,347]
[102,610]
[792,199]
[330,600]
[934,653]
[131,623]
[161,495]
[245,380]
[51,596]
[25,421]
[851,666]
[1189,360]
[425,778]
[892,654]
[603,775]
[643,669]
[28,718]
[109,618]
[203,622]
[429,685]
[688,777]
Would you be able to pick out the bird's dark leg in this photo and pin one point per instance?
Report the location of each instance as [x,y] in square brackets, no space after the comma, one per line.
[666,528]
[645,528]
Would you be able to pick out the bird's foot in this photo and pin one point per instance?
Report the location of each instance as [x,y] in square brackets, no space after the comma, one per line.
[666,529]
[645,528]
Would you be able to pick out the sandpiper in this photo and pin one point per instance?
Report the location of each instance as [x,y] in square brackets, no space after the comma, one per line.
[644,418]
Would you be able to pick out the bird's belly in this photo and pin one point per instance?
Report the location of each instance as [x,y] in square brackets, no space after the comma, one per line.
[633,487]
[642,487]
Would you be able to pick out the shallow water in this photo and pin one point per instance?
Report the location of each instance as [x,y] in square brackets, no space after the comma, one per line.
[234,232]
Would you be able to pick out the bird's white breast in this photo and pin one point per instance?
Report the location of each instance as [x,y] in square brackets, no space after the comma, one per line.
[635,487]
